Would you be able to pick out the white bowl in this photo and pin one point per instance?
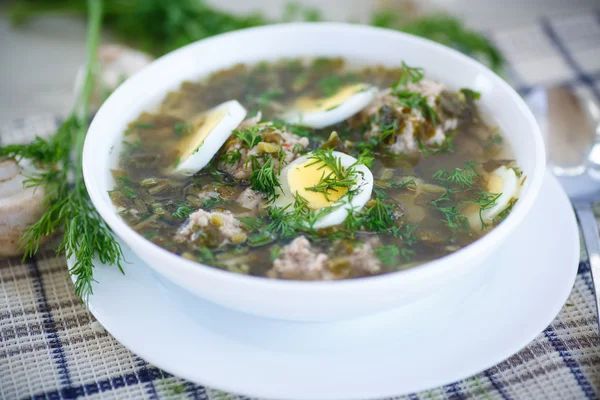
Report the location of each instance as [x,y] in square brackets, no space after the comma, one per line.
[299,300]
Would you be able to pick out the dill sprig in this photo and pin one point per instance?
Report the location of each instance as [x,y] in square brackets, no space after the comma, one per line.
[339,177]
[415,100]
[68,208]
[264,177]
[485,200]
[409,75]
[463,177]
[250,136]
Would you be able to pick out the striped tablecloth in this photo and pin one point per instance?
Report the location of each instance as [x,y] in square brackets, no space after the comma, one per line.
[51,347]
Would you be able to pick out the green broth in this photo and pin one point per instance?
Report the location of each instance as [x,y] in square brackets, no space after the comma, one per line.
[416,222]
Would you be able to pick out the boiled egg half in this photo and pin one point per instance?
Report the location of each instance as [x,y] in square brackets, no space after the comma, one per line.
[209,132]
[326,111]
[503,181]
[306,172]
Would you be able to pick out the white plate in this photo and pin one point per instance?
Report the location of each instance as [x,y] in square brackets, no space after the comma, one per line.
[452,335]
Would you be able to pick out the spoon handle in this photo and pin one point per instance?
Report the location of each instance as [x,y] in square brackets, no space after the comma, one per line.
[589,227]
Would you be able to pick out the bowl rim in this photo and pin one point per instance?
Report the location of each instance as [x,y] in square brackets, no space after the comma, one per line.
[178,264]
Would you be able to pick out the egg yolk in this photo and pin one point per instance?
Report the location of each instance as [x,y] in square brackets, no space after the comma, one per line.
[304,176]
[204,127]
[311,104]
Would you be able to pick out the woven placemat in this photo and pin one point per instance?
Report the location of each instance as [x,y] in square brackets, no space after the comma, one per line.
[52,348]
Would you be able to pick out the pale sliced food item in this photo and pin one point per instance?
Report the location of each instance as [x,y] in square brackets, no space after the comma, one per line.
[210,131]
[504,183]
[322,112]
[299,175]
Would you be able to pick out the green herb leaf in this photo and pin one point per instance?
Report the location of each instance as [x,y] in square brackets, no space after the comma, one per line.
[249,137]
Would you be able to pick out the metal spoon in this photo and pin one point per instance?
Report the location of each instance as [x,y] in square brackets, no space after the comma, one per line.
[568,123]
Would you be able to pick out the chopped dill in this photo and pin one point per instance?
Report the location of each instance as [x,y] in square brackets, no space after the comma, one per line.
[494,140]
[463,177]
[446,204]
[330,85]
[409,75]
[295,129]
[380,193]
[198,148]
[447,146]
[408,184]
[282,222]
[470,94]
[504,213]
[338,177]
[250,136]
[231,157]
[416,100]
[182,129]
[388,254]
[378,216]
[453,218]
[485,201]
[264,177]
[406,232]
[141,125]
[407,254]
[264,99]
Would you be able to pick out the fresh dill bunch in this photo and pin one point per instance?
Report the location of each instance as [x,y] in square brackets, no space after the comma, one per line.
[157,26]
[68,208]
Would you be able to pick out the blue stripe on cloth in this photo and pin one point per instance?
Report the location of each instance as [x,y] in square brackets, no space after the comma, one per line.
[195,392]
[570,362]
[454,392]
[585,271]
[499,386]
[143,375]
[566,54]
[48,324]
[143,369]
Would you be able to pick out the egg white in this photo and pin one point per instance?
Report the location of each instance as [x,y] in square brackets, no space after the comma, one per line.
[341,208]
[502,180]
[321,116]
[208,137]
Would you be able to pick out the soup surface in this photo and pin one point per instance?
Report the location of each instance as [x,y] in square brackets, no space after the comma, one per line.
[324,172]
